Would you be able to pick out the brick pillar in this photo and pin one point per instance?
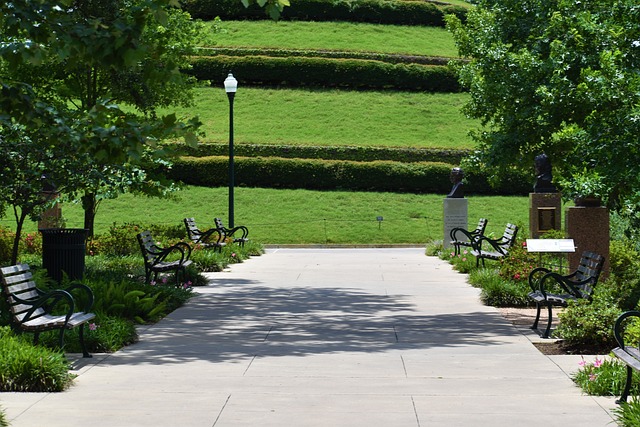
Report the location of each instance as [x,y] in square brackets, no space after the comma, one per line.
[589,229]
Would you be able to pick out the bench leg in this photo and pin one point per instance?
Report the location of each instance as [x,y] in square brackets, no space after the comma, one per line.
[36,338]
[627,387]
[535,322]
[546,332]
[85,353]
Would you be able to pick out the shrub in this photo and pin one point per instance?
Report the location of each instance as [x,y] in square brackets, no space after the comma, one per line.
[518,264]
[505,293]
[624,281]
[6,244]
[589,324]
[28,368]
[375,11]
[326,72]
[356,154]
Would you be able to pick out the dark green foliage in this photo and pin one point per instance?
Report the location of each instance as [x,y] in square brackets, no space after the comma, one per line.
[375,11]
[323,72]
[28,368]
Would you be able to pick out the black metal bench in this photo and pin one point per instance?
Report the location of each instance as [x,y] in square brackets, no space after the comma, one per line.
[32,309]
[499,247]
[461,237]
[230,233]
[158,259]
[212,238]
[628,354]
[574,286]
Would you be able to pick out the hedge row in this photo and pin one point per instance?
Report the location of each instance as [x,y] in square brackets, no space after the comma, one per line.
[359,154]
[373,11]
[392,58]
[343,73]
[314,174]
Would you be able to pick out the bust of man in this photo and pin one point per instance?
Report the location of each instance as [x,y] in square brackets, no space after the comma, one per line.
[543,175]
[457,191]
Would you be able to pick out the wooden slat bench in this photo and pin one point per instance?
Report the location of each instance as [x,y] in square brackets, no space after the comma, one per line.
[499,247]
[212,238]
[461,237]
[230,233]
[155,257]
[629,355]
[574,286]
[31,308]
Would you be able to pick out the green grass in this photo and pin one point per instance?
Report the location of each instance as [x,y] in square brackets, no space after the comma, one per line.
[306,217]
[334,117]
[414,40]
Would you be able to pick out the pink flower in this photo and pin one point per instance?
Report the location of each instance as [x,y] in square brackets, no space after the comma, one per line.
[582,362]
[152,283]
[464,259]
[233,255]
[592,377]
[93,326]
[597,363]
[516,276]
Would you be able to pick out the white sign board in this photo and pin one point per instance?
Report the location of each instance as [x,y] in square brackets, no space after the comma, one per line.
[550,245]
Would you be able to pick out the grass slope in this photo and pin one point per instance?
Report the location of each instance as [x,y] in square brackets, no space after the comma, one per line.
[334,117]
[414,40]
[306,217]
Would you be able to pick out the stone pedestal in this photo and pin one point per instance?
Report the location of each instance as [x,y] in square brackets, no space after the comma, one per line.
[544,213]
[455,215]
[589,229]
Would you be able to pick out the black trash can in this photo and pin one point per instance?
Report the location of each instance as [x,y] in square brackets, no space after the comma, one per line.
[63,250]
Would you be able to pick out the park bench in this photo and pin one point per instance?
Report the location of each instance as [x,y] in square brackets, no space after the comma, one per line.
[212,238]
[230,233]
[499,247]
[576,285]
[461,237]
[34,310]
[158,259]
[628,354]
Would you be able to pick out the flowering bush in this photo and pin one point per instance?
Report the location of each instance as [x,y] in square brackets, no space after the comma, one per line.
[603,377]
[518,264]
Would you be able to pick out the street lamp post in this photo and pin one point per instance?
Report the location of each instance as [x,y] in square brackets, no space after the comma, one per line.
[230,86]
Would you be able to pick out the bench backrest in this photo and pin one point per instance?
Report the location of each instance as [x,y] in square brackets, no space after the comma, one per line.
[150,250]
[588,271]
[193,231]
[509,237]
[17,282]
[482,225]
[218,223]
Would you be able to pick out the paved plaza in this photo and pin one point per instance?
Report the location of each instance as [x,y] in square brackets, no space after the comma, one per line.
[326,338]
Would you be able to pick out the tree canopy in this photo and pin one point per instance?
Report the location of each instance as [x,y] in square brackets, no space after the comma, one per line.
[558,77]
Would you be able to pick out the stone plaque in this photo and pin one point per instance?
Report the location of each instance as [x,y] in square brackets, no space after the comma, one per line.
[455,215]
[546,219]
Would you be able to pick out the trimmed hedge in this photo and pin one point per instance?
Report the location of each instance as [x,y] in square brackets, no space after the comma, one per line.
[392,58]
[419,177]
[344,73]
[374,11]
[358,154]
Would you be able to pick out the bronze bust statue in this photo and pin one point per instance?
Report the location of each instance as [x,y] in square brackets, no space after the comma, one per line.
[457,191]
[543,175]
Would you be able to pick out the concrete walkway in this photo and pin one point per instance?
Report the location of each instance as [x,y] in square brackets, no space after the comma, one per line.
[324,337]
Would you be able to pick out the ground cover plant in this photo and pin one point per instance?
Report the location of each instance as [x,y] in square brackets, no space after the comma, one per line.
[427,41]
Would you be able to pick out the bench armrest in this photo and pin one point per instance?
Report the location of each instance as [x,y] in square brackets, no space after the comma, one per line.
[495,243]
[568,285]
[618,326]
[230,231]
[87,290]
[471,235]
[47,301]
[203,236]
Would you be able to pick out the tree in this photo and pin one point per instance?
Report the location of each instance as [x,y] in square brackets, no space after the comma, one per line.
[113,52]
[559,77]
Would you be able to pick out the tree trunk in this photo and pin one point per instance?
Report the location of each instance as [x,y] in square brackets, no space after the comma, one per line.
[16,241]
